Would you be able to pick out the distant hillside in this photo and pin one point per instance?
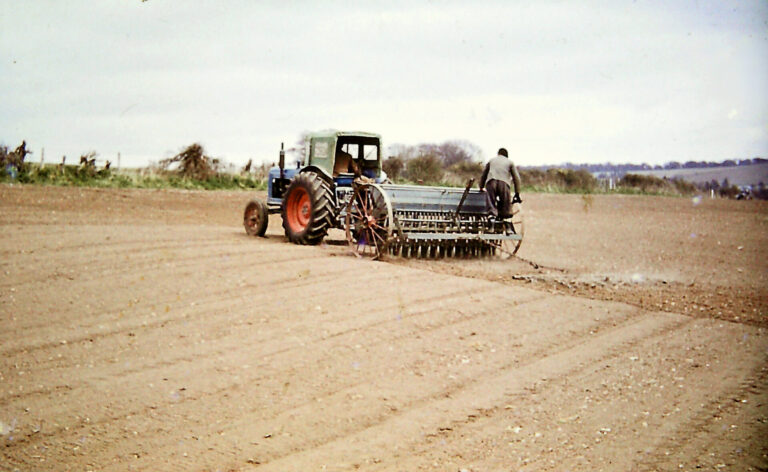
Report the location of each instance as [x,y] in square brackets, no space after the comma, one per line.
[749,172]
[741,176]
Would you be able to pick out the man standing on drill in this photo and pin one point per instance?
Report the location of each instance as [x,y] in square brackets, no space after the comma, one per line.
[499,173]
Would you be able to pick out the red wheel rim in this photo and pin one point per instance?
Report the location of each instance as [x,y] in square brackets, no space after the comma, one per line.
[298,210]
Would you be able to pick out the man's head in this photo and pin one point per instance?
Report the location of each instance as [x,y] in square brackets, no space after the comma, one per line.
[503,152]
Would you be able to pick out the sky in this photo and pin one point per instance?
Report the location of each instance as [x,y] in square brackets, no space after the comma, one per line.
[553,82]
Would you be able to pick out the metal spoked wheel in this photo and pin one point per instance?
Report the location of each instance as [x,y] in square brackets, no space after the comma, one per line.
[368,222]
[507,248]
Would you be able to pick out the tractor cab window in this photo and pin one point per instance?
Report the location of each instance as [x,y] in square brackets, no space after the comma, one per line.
[344,161]
[369,159]
[350,149]
[370,152]
[364,152]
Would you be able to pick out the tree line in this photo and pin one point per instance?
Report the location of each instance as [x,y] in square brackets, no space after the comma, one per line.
[450,163]
[621,169]
[453,163]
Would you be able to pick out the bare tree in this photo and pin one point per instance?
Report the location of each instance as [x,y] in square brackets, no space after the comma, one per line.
[454,152]
[393,166]
[192,163]
[426,168]
[16,157]
[299,149]
[450,152]
[87,164]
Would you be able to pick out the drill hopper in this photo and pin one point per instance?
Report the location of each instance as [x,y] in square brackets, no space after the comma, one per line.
[416,221]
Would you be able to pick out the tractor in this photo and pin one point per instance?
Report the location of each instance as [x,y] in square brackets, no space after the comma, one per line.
[341,184]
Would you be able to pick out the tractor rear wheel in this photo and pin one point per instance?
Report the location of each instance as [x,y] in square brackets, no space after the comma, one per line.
[308,209]
[256,218]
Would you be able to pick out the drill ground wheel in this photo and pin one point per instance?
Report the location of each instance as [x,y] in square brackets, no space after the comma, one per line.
[256,218]
[507,248]
[308,209]
[368,222]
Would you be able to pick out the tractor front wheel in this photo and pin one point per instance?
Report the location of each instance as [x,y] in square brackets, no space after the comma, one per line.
[256,218]
[308,209]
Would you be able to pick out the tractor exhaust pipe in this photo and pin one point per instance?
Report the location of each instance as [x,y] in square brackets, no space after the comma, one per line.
[281,162]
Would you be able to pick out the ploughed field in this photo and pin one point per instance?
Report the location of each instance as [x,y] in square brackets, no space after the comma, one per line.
[143,330]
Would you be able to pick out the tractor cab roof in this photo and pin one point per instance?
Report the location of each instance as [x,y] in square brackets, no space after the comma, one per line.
[332,133]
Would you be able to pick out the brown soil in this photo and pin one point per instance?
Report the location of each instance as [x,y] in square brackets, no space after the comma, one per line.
[698,257]
[143,330]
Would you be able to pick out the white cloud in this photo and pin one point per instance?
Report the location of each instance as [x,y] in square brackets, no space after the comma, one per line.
[620,81]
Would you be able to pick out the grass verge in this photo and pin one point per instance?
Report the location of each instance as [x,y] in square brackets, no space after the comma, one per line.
[88,176]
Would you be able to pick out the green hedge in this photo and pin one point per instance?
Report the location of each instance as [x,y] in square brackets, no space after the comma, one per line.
[88,176]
